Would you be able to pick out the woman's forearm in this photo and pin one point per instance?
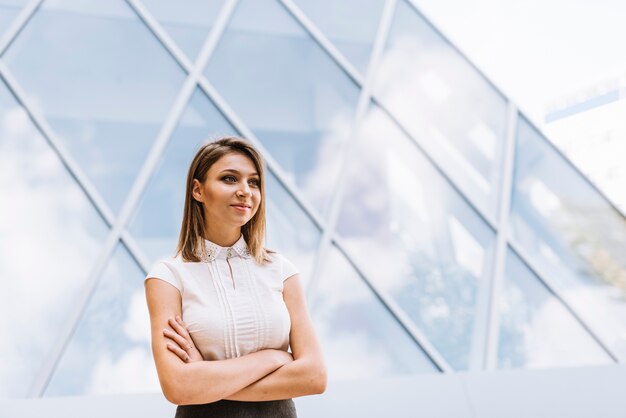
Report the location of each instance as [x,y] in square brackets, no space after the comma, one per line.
[298,378]
[209,381]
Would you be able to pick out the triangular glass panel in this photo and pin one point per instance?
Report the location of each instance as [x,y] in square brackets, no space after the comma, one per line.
[292,95]
[360,337]
[572,234]
[536,330]
[351,25]
[50,235]
[156,222]
[110,350]
[102,81]
[188,22]
[445,103]
[415,236]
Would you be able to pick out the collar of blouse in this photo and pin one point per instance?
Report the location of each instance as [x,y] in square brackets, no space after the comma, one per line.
[214,251]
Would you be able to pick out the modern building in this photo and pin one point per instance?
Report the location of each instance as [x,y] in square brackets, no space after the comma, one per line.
[441,237]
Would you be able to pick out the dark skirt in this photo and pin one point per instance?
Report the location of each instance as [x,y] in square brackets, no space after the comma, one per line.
[238,409]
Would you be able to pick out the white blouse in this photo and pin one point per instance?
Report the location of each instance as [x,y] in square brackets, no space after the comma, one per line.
[231,305]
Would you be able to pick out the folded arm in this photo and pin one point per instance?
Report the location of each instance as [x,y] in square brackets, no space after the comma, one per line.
[203,381]
[306,374]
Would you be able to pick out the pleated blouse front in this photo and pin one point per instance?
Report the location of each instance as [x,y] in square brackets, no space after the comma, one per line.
[232,305]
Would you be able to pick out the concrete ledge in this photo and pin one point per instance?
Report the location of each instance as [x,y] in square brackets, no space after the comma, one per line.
[573,393]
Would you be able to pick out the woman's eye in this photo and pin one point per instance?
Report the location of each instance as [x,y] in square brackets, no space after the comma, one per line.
[229,179]
[254,182]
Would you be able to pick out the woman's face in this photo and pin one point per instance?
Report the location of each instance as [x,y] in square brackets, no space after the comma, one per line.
[231,193]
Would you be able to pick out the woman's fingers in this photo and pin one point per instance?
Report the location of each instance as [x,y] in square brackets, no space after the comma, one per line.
[180,341]
[182,332]
[180,336]
[178,351]
[180,329]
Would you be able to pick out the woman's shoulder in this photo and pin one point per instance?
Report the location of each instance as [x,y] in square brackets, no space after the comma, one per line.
[280,265]
[167,269]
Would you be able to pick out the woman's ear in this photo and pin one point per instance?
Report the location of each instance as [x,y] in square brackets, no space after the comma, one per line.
[196,190]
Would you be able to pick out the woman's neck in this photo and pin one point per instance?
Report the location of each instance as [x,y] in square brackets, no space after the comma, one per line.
[223,238]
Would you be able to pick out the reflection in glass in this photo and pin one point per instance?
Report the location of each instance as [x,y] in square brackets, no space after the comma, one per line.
[110,350]
[358,334]
[8,11]
[188,22]
[536,330]
[50,236]
[105,102]
[350,25]
[157,220]
[289,230]
[446,105]
[415,236]
[573,234]
[288,91]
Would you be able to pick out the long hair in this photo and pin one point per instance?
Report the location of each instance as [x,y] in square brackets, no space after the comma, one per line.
[191,239]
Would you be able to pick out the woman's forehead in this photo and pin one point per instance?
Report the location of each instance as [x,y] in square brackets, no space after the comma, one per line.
[235,161]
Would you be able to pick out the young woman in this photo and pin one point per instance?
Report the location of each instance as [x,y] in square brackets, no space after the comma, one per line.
[242,305]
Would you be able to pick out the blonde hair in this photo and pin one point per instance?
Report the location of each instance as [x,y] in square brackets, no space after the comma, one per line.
[191,239]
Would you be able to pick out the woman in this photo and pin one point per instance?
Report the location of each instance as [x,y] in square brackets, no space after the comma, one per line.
[242,305]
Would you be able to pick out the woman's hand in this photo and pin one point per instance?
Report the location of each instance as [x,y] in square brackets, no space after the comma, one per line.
[180,342]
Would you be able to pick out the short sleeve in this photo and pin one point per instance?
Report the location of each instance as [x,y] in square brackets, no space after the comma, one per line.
[288,268]
[165,271]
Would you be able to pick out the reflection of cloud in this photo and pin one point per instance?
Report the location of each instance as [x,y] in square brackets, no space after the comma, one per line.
[548,334]
[137,324]
[134,372]
[354,356]
[52,235]
[321,180]
[353,348]
[553,338]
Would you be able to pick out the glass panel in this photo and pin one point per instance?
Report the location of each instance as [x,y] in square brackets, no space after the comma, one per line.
[536,330]
[157,220]
[573,234]
[104,101]
[110,351]
[188,22]
[410,231]
[349,24]
[358,334]
[446,105]
[50,235]
[8,11]
[288,91]
[289,229]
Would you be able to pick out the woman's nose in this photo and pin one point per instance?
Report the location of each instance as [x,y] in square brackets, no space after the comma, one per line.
[244,190]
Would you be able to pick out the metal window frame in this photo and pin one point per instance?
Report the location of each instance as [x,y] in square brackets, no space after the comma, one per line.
[196,78]
[117,224]
[25,14]
[361,109]
[329,237]
[484,344]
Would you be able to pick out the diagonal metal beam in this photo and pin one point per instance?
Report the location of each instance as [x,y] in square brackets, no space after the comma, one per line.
[18,24]
[362,107]
[131,202]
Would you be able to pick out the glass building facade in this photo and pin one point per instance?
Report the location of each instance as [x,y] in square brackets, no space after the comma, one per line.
[435,228]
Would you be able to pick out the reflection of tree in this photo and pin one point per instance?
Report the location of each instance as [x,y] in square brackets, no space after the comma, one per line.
[441,297]
[598,238]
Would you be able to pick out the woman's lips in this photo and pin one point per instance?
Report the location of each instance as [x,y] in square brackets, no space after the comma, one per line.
[241,208]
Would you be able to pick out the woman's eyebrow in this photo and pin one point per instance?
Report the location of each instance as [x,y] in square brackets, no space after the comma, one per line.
[232,170]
